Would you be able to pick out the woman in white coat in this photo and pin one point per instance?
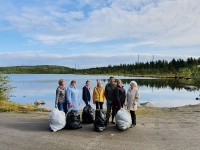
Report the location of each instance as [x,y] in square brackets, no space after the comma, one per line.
[132,98]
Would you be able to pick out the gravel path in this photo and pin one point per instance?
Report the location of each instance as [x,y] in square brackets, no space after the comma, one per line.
[178,129]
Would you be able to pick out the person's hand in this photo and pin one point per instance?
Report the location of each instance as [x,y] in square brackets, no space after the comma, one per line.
[78,104]
[70,105]
[56,106]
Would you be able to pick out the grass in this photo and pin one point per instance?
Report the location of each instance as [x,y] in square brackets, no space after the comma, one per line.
[152,111]
[6,106]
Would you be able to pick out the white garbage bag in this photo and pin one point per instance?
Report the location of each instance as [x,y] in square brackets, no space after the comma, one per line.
[123,119]
[57,120]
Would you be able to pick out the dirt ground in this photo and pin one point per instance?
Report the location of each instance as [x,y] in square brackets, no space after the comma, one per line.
[165,129]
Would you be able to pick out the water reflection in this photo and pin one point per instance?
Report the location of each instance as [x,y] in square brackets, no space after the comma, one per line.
[162,93]
[173,84]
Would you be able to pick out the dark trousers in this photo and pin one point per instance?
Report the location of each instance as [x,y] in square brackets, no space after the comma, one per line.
[133,117]
[86,103]
[116,107]
[109,109]
[113,111]
[99,105]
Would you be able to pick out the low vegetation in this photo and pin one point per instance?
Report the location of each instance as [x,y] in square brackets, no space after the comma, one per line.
[6,106]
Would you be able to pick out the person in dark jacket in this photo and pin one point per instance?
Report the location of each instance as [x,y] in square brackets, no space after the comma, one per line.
[109,97]
[119,97]
[86,93]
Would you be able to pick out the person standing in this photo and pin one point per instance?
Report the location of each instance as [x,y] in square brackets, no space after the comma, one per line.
[119,97]
[72,96]
[98,95]
[61,101]
[86,93]
[132,98]
[109,97]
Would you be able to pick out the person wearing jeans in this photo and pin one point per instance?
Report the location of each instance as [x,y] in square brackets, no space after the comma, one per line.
[61,101]
[132,98]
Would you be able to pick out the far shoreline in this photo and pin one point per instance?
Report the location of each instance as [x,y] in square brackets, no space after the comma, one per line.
[166,76]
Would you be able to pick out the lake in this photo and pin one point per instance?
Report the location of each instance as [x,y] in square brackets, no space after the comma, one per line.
[160,92]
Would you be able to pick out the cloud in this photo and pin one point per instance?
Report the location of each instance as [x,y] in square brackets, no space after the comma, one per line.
[163,22]
[81,60]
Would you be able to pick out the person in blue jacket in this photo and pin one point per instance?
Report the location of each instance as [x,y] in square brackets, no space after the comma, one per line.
[86,93]
[72,96]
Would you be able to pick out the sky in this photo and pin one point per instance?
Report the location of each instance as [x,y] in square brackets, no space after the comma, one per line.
[91,33]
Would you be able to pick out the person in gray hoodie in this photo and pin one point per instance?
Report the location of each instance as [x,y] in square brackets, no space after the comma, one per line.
[61,100]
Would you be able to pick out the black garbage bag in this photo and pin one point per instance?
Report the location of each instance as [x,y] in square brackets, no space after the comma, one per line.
[100,122]
[88,114]
[73,120]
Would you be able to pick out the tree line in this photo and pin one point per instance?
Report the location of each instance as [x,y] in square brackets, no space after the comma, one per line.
[174,68]
[40,69]
[161,68]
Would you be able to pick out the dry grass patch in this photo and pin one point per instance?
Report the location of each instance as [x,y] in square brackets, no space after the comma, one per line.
[6,106]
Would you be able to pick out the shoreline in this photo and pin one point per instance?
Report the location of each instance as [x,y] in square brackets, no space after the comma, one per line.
[164,76]
[139,111]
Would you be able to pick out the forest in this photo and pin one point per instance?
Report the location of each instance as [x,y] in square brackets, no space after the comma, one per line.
[40,69]
[176,68]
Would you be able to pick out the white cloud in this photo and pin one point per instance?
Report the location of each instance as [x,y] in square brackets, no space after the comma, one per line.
[160,23]
[81,60]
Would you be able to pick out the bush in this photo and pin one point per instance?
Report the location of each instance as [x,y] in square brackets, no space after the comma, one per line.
[5,88]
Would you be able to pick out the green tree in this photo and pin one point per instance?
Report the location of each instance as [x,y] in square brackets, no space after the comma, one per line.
[5,88]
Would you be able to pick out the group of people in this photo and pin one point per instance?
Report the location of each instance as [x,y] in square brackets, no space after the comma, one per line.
[114,93]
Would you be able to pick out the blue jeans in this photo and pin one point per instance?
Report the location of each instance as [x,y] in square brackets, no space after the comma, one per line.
[62,107]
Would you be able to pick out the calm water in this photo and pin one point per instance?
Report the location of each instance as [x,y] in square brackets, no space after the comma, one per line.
[162,93]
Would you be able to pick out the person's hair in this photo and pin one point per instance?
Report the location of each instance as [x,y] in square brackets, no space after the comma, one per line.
[87,81]
[61,81]
[112,77]
[119,80]
[73,81]
[133,82]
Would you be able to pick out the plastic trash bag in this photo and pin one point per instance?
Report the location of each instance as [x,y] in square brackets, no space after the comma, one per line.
[57,120]
[73,120]
[100,122]
[123,119]
[88,114]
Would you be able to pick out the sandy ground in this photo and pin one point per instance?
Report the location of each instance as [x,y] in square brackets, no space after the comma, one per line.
[164,129]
